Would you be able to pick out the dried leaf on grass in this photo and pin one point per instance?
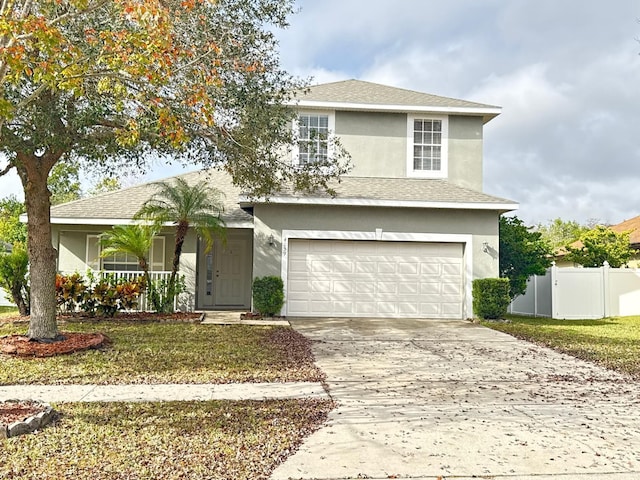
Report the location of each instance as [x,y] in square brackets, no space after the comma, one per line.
[169,440]
[295,353]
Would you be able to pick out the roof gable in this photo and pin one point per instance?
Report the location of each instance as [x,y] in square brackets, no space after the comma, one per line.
[361,95]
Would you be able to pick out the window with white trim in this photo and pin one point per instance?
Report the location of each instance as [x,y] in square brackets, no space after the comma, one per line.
[123,262]
[313,130]
[427,146]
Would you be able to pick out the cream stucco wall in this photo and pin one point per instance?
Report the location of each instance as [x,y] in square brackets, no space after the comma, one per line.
[465,151]
[377,143]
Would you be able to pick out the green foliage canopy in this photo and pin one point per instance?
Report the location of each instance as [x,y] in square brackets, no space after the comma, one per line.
[12,231]
[601,244]
[523,252]
[14,271]
[559,233]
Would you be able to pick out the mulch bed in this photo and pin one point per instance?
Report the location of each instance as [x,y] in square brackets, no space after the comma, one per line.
[74,342]
[22,346]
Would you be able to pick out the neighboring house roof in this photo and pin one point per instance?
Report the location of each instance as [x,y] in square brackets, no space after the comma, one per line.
[394,192]
[120,206]
[633,225]
[360,95]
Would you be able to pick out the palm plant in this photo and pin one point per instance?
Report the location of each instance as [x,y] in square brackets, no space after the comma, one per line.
[134,240]
[185,206]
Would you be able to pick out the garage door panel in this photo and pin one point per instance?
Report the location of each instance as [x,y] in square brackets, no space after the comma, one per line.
[430,288]
[406,268]
[409,288]
[409,309]
[386,287]
[429,269]
[452,310]
[298,286]
[451,289]
[343,287]
[366,278]
[365,309]
[365,266]
[320,286]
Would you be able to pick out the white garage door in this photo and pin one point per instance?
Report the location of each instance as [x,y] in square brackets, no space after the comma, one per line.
[374,279]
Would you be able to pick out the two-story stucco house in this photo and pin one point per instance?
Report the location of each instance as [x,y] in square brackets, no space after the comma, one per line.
[407,232]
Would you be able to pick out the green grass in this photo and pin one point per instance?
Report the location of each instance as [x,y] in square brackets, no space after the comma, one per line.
[612,342]
[147,352]
[168,440]
[8,311]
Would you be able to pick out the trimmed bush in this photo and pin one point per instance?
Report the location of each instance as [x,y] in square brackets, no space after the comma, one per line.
[268,295]
[491,297]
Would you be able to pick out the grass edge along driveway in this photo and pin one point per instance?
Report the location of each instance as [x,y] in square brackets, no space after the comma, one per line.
[613,343]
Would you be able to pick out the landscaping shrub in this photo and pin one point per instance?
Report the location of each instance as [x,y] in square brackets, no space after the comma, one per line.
[161,298]
[105,295]
[491,297]
[14,277]
[268,295]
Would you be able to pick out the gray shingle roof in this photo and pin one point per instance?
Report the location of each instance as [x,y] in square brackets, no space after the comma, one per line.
[403,190]
[123,204]
[361,92]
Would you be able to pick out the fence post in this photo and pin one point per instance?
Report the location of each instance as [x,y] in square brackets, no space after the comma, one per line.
[605,288]
[554,285]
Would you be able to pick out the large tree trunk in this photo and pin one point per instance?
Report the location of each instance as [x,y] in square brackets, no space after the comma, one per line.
[34,171]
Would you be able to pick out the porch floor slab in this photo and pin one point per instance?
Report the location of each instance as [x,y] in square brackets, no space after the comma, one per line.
[232,317]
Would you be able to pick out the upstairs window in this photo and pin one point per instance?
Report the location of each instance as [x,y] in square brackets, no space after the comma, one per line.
[313,137]
[427,147]
[427,144]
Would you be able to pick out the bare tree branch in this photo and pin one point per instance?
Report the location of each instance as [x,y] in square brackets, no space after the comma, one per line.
[6,170]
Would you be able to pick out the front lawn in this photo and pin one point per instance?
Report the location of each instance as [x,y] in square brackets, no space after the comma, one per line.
[8,312]
[148,352]
[167,440]
[612,342]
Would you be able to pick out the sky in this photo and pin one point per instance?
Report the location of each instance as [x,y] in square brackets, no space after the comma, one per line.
[566,74]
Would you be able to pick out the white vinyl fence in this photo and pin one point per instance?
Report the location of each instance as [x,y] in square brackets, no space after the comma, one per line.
[4,302]
[576,293]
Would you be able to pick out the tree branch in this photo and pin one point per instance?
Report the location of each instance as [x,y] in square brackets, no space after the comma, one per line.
[6,170]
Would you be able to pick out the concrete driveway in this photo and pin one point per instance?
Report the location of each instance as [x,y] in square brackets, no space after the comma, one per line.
[451,399]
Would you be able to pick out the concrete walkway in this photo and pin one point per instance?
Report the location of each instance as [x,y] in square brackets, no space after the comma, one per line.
[165,392]
[233,317]
[450,399]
